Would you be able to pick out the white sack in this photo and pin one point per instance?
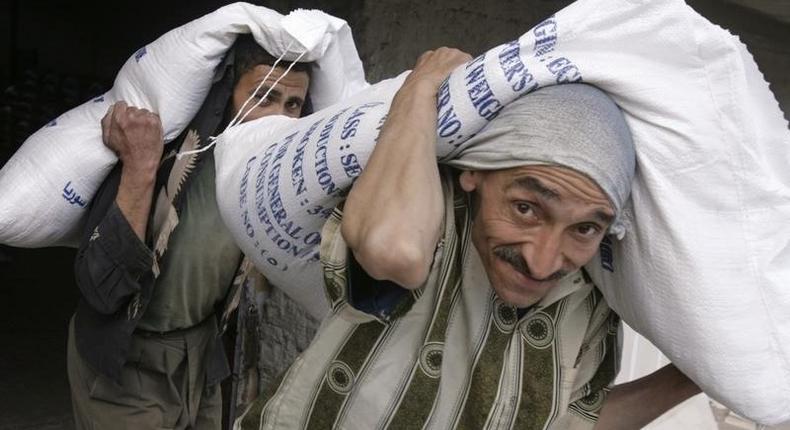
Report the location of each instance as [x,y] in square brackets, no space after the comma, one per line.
[704,268]
[279,178]
[50,180]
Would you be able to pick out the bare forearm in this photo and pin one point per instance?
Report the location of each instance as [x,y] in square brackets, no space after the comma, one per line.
[635,404]
[135,135]
[393,215]
[395,206]
[135,195]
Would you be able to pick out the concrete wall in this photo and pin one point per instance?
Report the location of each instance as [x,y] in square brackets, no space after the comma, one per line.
[85,39]
[393,33]
[7,31]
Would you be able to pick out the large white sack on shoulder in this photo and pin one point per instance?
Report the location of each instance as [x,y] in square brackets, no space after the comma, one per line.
[278,180]
[336,72]
[50,180]
[703,268]
[701,188]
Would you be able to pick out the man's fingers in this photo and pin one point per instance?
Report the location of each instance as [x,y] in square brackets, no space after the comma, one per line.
[145,118]
[464,56]
[121,116]
[106,124]
[150,114]
[157,121]
[452,57]
[119,108]
[434,66]
[119,111]
[105,121]
[133,112]
[445,53]
[423,58]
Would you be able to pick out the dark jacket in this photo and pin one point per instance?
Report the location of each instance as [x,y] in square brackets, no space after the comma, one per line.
[113,268]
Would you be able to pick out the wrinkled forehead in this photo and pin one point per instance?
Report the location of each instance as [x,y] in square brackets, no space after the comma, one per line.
[576,126]
[554,182]
[293,78]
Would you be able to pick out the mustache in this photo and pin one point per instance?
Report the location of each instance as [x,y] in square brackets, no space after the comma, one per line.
[512,255]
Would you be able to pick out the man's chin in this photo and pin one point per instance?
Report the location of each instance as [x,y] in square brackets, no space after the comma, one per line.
[516,288]
[519,299]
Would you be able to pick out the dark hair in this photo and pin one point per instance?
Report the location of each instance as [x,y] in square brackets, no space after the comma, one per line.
[249,54]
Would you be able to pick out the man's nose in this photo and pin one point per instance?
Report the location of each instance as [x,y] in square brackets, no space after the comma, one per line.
[544,254]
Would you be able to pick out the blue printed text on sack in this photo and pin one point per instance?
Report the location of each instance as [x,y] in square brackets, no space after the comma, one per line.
[479,90]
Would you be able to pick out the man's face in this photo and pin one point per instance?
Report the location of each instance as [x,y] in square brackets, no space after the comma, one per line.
[286,98]
[533,225]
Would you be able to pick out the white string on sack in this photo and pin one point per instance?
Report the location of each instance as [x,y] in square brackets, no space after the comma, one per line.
[265,96]
[236,120]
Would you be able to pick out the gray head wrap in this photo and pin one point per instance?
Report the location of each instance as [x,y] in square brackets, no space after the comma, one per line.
[572,125]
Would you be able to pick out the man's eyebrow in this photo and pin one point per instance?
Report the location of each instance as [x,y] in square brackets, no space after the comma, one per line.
[296,99]
[604,217]
[534,185]
[275,93]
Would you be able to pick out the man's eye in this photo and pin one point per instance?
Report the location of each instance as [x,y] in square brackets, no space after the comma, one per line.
[588,230]
[294,105]
[524,208]
[260,96]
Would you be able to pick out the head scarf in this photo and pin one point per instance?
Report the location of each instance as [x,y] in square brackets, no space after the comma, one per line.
[571,125]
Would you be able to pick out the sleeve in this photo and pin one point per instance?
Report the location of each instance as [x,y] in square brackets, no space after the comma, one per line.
[111,258]
[350,288]
[384,299]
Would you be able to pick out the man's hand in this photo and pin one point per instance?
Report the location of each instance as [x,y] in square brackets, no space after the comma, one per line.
[393,215]
[135,135]
[432,68]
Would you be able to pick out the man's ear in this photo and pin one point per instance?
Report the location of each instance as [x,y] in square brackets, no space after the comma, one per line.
[469,180]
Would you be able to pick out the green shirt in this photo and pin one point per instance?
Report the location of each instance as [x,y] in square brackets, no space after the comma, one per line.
[452,355]
[200,262]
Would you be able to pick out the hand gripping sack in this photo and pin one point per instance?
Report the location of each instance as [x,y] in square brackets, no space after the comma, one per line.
[703,268]
[50,180]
